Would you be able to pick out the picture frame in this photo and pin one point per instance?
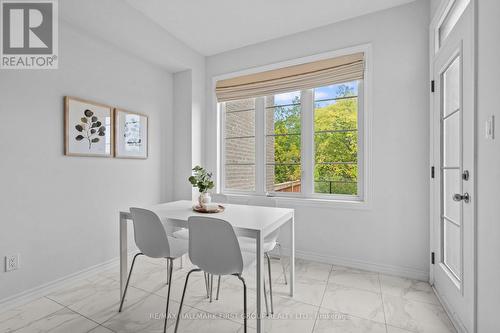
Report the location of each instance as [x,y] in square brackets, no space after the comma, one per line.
[88,128]
[131,134]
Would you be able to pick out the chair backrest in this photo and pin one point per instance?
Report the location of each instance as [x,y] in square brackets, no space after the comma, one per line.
[265,202]
[149,234]
[213,246]
[218,198]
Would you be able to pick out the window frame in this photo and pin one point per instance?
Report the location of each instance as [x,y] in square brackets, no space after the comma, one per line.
[443,13]
[307,195]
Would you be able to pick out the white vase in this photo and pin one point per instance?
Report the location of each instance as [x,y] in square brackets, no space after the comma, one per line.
[204,199]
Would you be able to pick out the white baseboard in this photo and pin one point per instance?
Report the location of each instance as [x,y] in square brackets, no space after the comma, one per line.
[44,289]
[359,264]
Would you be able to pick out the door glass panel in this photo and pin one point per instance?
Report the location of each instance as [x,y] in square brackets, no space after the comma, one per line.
[451,87]
[452,248]
[451,168]
[451,138]
[452,17]
[451,185]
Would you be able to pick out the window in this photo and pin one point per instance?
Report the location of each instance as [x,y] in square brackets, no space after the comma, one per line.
[283,142]
[336,139]
[310,143]
[295,131]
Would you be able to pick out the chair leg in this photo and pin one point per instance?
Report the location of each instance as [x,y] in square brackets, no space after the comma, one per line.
[265,298]
[211,286]
[128,280]
[218,289]
[170,262]
[270,282]
[282,263]
[205,275]
[168,274]
[182,298]
[244,303]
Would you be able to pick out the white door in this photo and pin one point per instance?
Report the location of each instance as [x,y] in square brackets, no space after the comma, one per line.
[452,202]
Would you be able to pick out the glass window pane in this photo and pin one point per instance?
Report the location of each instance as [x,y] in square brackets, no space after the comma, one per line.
[283,99]
[239,145]
[451,140]
[452,248]
[283,149]
[451,185]
[283,120]
[335,91]
[241,123]
[240,151]
[451,19]
[336,147]
[240,177]
[336,179]
[451,88]
[325,103]
[283,178]
[283,142]
[240,105]
[336,115]
[336,139]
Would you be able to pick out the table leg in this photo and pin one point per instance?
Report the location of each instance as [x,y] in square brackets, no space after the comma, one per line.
[123,253]
[292,255]
[260,280]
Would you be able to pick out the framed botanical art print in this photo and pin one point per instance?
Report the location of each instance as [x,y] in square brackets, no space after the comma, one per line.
[131,134]
[88,128]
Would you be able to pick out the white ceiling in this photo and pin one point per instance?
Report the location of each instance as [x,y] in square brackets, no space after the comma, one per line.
[214,26]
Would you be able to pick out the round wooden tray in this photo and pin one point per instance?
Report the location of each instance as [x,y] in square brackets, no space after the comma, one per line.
[199,209]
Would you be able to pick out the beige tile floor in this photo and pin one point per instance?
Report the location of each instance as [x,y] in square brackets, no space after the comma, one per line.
[328,299]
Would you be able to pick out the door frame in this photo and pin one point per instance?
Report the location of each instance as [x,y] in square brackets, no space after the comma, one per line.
[434,185]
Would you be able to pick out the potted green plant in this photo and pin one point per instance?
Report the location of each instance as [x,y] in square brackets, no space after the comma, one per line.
[202,179]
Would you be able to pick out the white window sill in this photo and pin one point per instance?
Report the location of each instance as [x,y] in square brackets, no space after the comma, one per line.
[294,201]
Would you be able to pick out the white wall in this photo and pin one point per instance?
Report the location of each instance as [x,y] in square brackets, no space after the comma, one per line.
[434,4]
[126,27]
[189,99]
[182,129]
[61,213]
[392,235]
[488,168]
[120,24]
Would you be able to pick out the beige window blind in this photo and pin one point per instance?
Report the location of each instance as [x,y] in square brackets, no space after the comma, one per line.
[292,78]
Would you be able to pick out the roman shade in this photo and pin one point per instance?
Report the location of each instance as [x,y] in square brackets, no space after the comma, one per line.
[299,77]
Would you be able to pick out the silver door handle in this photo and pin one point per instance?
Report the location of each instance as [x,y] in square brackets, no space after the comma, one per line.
[459,197]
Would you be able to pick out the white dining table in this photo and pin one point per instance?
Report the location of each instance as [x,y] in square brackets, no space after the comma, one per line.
[249,221]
